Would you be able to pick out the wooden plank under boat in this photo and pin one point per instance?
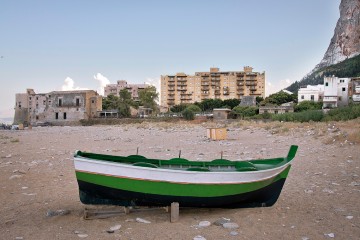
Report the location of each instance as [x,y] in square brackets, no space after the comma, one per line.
[137,181]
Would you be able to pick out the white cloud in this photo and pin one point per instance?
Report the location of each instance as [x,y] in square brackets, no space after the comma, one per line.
[69,85]
[103,81]
[276,87]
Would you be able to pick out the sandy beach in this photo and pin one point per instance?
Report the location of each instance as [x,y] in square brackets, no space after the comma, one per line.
[320,199]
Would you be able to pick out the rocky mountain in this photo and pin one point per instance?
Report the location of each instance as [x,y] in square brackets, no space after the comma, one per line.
[346,40]
[344,45]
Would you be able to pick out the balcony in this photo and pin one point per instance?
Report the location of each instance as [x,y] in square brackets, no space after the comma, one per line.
[171,79]
[181,89]
[171,84]
[181,79]
[226,93]
[205,93]
[251,84]
[171,89]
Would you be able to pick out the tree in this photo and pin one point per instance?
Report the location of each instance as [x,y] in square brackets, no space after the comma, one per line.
[178,108]
[231,103]
[194,108]
[110,102]
[279,98]
[148,97]
[125,102]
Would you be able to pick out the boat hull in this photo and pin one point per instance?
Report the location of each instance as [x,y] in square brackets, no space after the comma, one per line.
[97,194]
[124,190]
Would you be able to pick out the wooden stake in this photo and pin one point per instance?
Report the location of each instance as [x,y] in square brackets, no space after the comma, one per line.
[174,212]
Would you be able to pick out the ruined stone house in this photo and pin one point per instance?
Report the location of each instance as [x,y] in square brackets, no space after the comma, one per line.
[57,107]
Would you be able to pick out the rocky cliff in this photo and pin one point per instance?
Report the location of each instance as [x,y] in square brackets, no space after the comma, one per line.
[346,40]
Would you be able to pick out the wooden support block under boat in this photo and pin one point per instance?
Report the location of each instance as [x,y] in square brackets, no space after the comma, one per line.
[174,213]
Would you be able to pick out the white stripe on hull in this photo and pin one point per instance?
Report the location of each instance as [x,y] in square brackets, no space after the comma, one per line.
[169,175]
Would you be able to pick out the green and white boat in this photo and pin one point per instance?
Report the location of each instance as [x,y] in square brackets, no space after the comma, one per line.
[138,181]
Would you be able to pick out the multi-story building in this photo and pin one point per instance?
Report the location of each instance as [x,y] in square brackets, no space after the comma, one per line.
[354,90]
[183,88]
[57,107]
[336,92]
[311,93]
[114,89]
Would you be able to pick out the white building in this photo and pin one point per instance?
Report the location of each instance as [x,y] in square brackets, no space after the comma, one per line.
[335,92]
[311,93]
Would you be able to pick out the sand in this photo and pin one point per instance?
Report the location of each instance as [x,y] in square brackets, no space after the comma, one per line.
[320,199]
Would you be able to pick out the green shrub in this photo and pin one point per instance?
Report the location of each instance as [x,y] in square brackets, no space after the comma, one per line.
[245,111]
[188,114]
[308,105]
[194,108]
[306,116]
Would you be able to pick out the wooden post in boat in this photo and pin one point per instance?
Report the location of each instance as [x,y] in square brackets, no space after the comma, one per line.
[174,212]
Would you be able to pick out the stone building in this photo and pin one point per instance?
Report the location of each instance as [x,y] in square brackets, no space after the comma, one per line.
[183,88]
[57,107]
[114,89]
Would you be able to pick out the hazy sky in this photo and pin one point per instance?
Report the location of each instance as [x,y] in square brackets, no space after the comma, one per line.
[44,43]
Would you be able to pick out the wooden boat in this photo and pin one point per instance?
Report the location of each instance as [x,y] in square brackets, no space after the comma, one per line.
[138,181]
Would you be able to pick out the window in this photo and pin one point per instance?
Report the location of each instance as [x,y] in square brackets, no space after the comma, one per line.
[60,102]
[64,115]
[276,111]
[56,115]
[339,98]
[312,97]
[92,101]
[302,96]
[326,84]
[77,102]
[343,89]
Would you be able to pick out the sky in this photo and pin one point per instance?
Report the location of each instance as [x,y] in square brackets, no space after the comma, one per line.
[63,45]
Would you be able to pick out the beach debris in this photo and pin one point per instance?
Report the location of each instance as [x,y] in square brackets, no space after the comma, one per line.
[308,191]
[349,217]
[331,235]
[305,238]
[140,220]
[204,224]
[82,235]
[113,228]
[15,176]
[354,184]
[221,221]
[230,225]
[326,190]
[8,156]
[234,233]
[60,212]
[19,238]
[198,237]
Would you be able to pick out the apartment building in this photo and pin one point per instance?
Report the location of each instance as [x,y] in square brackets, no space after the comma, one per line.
[114,89]
[56,107]
[183,88]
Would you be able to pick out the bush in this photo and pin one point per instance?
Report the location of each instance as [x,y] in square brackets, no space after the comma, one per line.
[306,116]
[194,108]
[188,114]
[245,111]
[307,105]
